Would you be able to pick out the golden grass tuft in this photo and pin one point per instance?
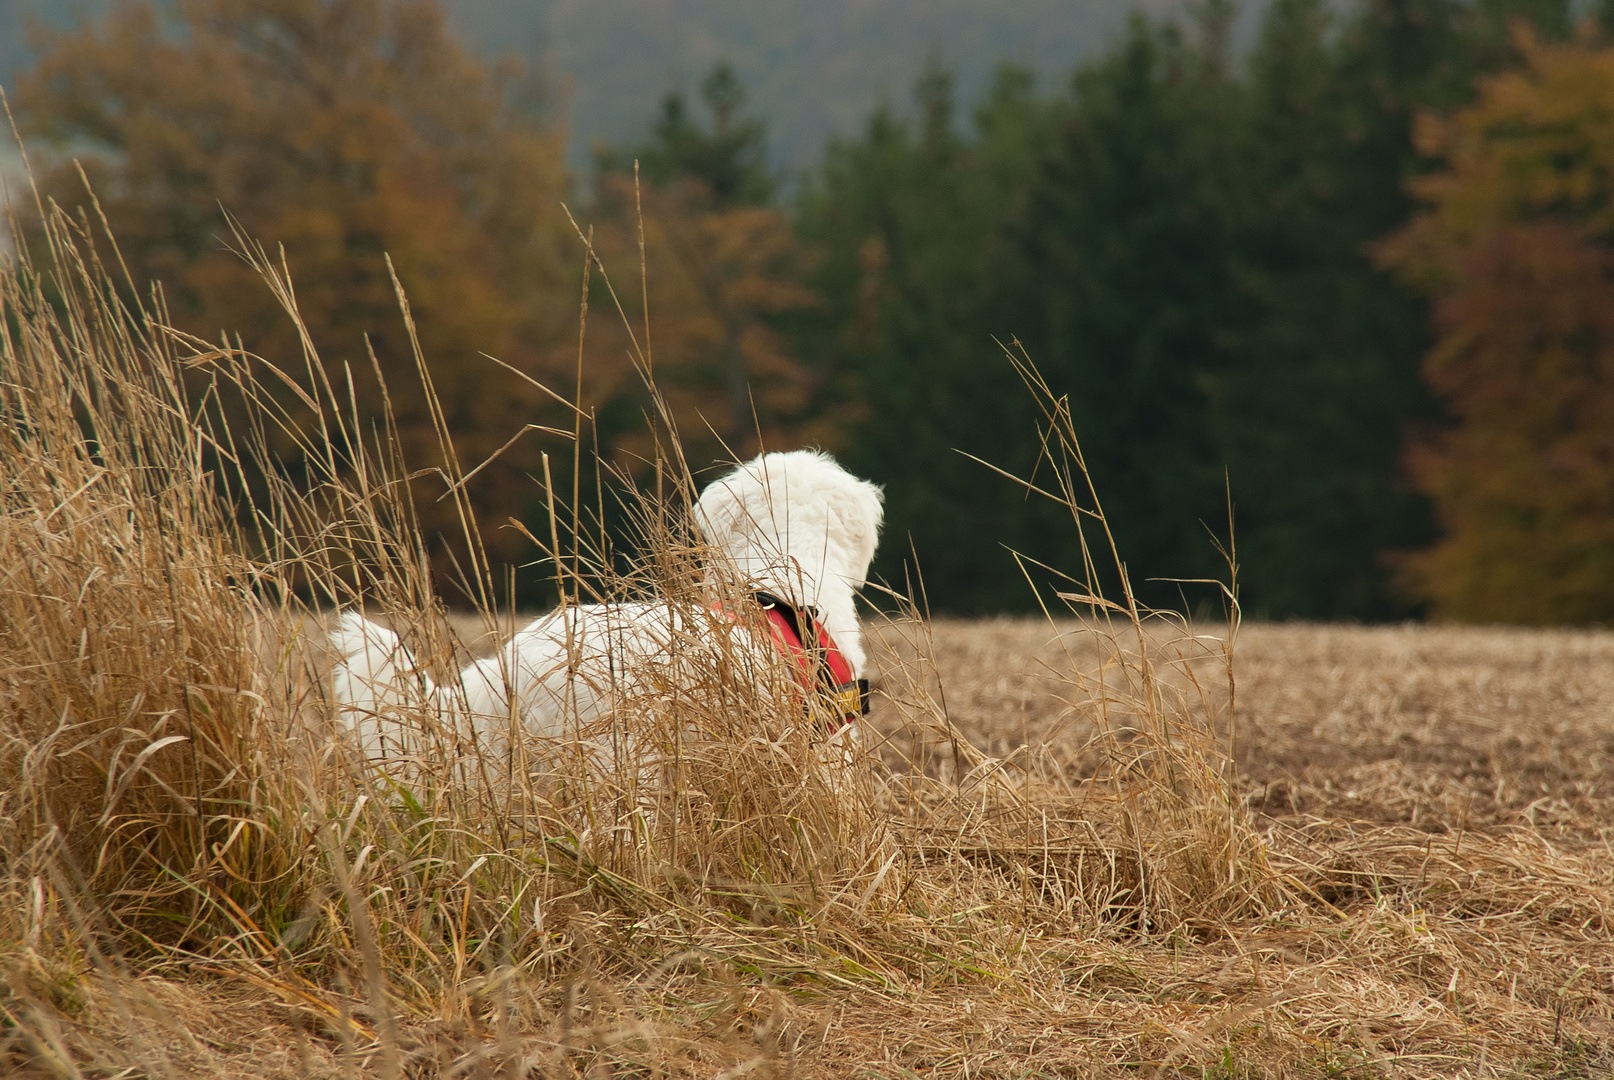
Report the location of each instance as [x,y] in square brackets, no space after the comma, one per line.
[1111,865]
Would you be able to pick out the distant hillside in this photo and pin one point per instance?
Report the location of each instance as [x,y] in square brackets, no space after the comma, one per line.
[812,68]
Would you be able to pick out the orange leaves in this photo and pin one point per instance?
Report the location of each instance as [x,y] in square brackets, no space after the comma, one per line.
[1517,246]
[342,131]
[718,277]
[1539,143]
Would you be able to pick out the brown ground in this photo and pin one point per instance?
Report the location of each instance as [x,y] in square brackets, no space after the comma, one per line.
[1436,727]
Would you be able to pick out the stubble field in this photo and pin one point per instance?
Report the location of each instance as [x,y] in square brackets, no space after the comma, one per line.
[1440,728]
[1381,753]
[1443,791]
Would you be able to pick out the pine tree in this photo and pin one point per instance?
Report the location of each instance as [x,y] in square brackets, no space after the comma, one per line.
[1120,273]
[1324,374]
[1185,246]
[901,221]
[725,161]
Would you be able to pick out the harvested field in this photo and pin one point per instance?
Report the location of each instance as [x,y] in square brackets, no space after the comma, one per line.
[1445,790]
[1440,728]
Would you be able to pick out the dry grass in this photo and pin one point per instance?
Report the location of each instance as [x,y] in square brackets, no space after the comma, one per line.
[1099,868]
[1435,794]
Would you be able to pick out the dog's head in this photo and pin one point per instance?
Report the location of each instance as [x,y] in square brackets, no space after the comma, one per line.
[796,514]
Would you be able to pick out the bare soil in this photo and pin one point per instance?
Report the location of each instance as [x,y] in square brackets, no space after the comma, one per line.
[1438,727]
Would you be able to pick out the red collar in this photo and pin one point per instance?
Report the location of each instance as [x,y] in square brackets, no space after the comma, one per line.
[820,664]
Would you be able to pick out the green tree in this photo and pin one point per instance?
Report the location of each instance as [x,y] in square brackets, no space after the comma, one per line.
[1184,245]
[900,222]
[726,161]
[1120,267]
[1323,377]
[1204,241]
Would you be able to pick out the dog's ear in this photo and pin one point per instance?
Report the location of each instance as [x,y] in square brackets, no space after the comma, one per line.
[738,506]
[859,510]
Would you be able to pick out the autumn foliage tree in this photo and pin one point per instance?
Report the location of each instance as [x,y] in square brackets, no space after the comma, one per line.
[1516,245]
[343,131]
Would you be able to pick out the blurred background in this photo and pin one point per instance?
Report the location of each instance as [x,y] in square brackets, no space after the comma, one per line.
[1343,269]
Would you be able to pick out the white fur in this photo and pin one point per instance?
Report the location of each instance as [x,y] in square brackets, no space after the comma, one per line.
[793,524]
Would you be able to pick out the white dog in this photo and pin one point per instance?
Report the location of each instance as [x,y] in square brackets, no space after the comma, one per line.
[798,529]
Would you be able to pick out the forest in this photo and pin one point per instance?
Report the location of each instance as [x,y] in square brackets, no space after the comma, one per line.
[1336,303]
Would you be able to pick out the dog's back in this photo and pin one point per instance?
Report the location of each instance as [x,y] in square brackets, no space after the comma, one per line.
[794,524]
